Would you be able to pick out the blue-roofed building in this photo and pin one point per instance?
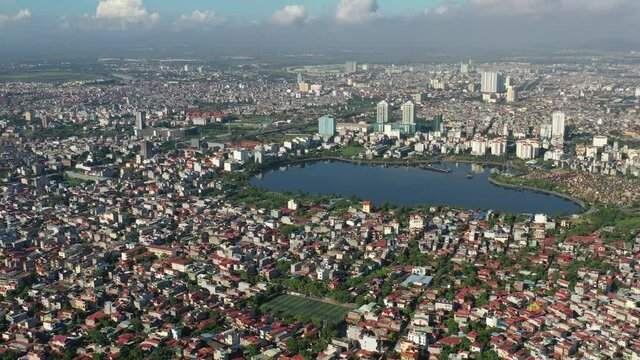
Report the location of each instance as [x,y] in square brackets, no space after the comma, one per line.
[415,279]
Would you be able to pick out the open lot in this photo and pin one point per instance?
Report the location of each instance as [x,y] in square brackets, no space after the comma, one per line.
[306,309]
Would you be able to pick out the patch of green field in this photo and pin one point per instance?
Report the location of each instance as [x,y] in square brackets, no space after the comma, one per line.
[351,150]
[48,76]
[307,310]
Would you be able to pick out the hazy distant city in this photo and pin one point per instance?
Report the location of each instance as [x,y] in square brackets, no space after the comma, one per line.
[320,179]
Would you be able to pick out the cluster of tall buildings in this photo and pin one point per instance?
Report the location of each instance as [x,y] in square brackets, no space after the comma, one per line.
[492,82]
[494,85]
[406,126]
[408,113]
[327,124]
[480,144]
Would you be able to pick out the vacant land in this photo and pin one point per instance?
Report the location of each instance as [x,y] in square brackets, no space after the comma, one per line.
[306,309]
[48,76]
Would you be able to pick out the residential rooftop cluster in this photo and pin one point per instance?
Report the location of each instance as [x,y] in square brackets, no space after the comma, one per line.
[129,227]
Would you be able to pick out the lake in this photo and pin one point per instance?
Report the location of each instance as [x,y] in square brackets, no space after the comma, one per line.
[412,186]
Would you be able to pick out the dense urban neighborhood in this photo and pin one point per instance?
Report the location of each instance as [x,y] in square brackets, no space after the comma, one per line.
[131,226]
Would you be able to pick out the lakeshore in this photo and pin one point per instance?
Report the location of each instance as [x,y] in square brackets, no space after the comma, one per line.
[410,185]
[533,188]
[422,164]
[428,165]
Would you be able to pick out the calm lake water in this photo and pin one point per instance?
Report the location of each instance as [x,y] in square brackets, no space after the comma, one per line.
[412,186]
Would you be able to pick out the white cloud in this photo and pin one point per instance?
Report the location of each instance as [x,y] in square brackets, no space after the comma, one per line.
[63,23]
[200,17]
[357,11]
[439,10]
[23,14]
[289,15]
[125,12]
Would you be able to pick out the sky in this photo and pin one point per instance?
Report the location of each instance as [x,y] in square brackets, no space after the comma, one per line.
[208,27]
[254,10]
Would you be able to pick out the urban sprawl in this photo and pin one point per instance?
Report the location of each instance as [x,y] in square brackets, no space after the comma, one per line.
[130,229]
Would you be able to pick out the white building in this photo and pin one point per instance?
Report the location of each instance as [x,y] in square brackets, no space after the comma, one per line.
[540,219]
[316,89]
[258,156]
[370,343]
[382,112]
[217,162]
[241,155]
[591,151]
[555,154]
[600,140]
[557,125]
[498,146]
[408,113]
[437,84]
[464,68]
[545,131]
[323,274]
[416,222]
[492,82]
[527,149]
[231,166]
[350,67]
[512,95]
[479,146]
[418,337]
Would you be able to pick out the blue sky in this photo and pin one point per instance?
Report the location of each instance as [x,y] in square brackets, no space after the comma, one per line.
[241,9]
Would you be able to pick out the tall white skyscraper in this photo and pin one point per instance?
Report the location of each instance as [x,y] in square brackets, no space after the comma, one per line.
[141,120]
[464,68]
[492,82]
[408,113]
[557,125]
[350,67]
[382,112]
[512,95]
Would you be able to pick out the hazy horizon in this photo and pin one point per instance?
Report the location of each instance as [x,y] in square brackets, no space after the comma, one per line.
[87,28]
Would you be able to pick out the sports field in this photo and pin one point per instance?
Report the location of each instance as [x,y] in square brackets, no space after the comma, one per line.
[306,309]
